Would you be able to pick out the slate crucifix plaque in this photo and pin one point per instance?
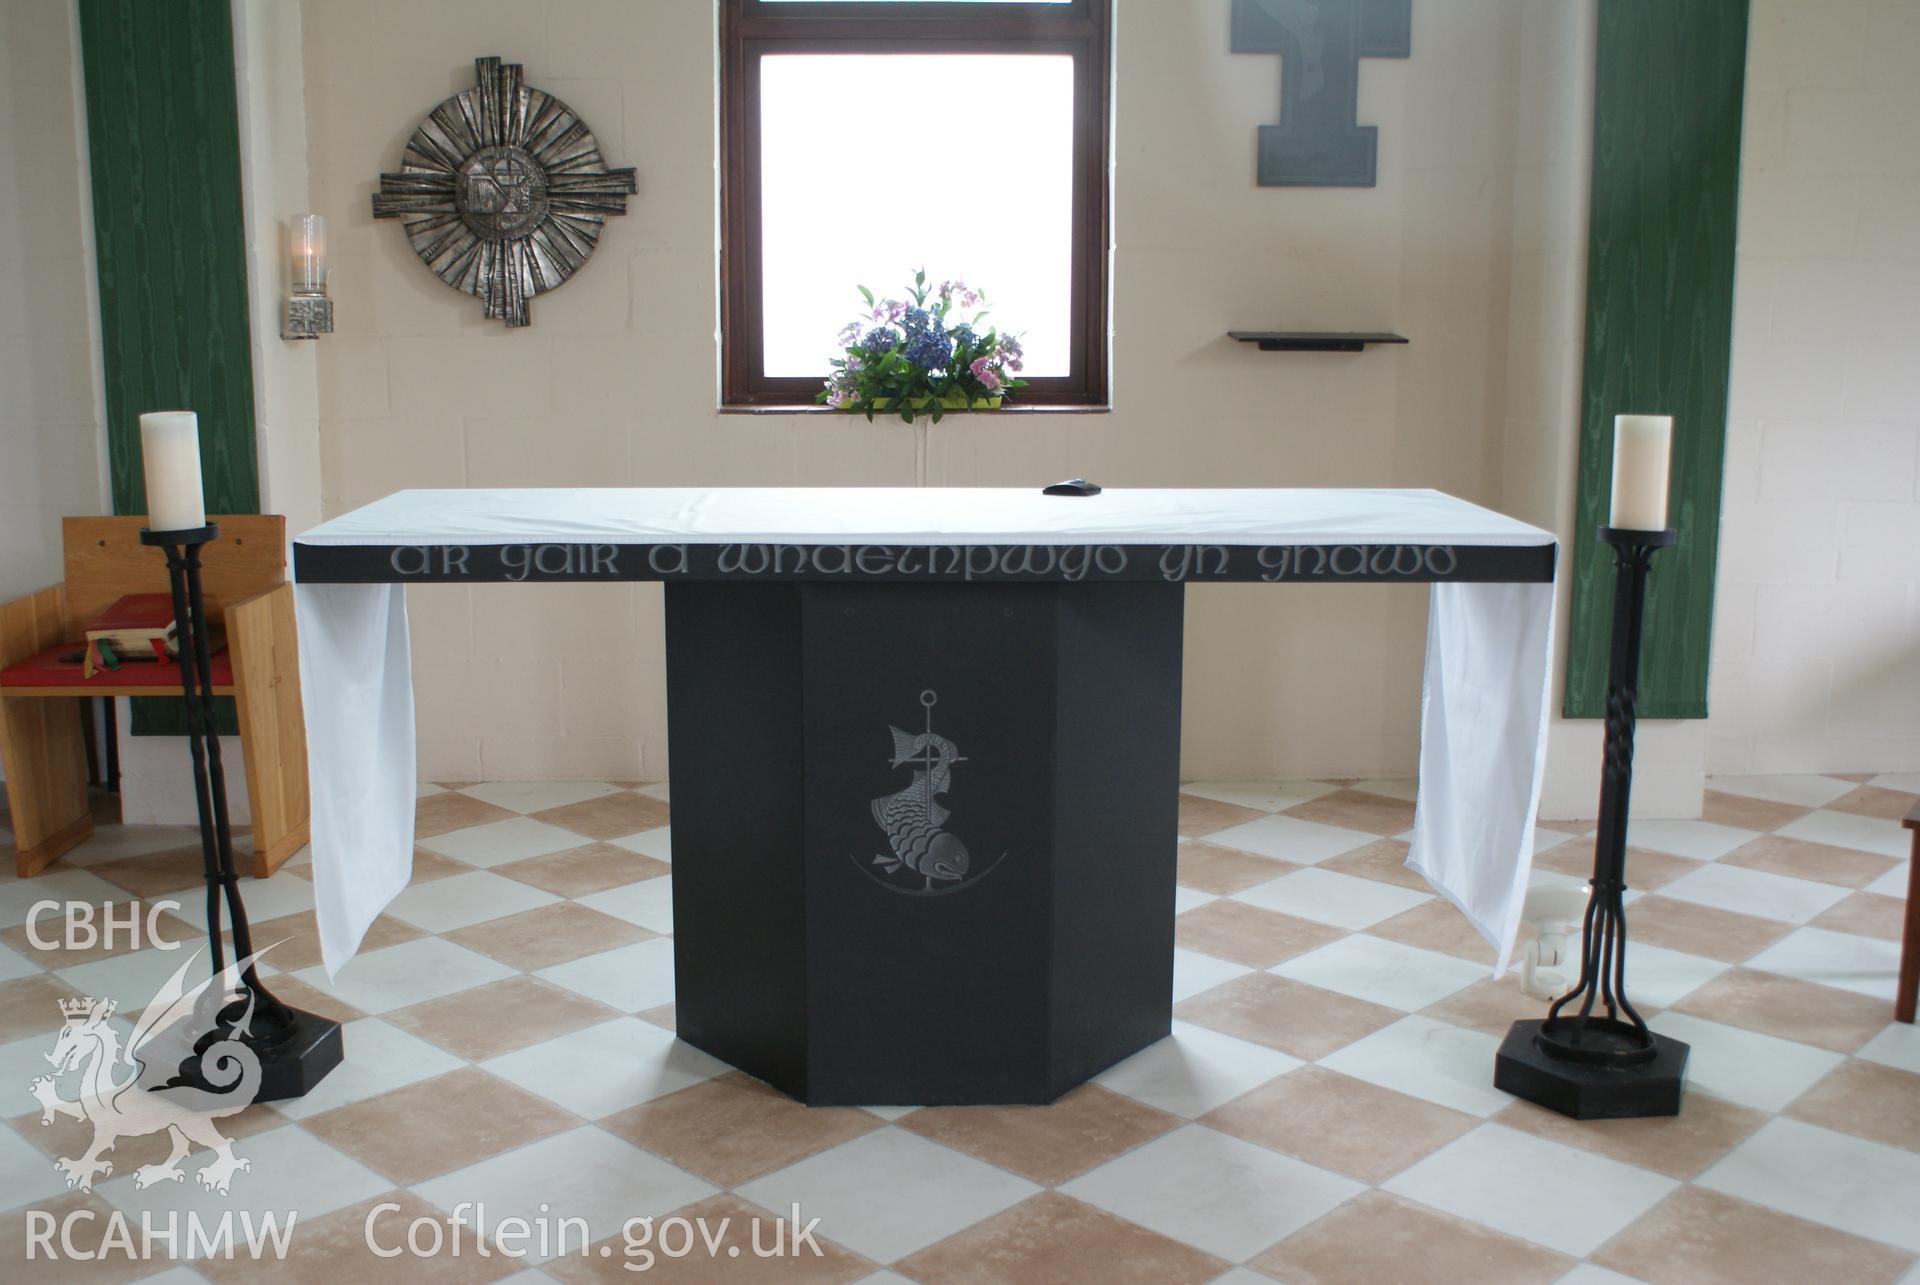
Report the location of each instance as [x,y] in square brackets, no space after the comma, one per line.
[1319,141]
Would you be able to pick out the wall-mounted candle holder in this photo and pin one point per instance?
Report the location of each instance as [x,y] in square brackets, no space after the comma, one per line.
[309,312]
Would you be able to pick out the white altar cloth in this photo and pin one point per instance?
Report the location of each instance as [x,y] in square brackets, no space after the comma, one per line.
[1484,697]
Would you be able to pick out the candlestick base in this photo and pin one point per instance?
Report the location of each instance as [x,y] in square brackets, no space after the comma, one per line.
[1591,1090]
[303,1059]
[296,1048]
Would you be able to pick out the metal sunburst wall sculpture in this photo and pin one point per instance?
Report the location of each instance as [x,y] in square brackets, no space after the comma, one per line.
[503,191]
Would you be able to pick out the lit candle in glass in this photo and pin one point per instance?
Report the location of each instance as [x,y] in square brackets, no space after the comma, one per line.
[170,450]
[1642,449]
[307,254]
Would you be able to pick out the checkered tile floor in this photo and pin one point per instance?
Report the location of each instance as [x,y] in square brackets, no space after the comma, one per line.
[1323,1112]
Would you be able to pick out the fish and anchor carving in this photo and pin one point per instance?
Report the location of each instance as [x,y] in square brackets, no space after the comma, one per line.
[924,857]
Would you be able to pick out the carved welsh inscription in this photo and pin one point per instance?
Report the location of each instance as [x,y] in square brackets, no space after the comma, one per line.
[1068,563]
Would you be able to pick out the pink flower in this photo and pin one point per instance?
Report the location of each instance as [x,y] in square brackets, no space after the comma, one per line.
[983,370]
[960,291]
[839,395]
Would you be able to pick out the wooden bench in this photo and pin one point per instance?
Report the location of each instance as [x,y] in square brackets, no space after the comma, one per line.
[42,747]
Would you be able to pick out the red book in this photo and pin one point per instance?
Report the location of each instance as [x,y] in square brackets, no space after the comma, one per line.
[144,614]
[137,627]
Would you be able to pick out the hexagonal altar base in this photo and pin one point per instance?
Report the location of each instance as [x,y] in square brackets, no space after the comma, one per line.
[852,942]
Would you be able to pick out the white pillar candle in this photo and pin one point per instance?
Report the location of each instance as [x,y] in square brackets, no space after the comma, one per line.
[170,447]
[1642,447]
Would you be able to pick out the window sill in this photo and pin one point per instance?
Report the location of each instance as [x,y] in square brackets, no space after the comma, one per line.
[816,409]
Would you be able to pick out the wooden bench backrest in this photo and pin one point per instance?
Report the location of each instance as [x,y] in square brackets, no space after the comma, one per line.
[106,561]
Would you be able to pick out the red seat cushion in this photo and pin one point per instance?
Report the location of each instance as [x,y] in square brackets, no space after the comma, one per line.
[61,667]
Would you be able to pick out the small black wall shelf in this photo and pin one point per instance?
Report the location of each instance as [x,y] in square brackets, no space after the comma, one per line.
[1312,340]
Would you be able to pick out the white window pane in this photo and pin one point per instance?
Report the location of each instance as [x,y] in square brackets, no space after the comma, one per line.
[978,188]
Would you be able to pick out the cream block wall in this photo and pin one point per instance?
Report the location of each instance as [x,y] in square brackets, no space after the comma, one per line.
[50,415]
[1817,624]
[273,172]
[1538,456]
[1473,244]
[614,383]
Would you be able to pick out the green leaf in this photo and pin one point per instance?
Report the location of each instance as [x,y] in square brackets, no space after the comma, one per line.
[868,293]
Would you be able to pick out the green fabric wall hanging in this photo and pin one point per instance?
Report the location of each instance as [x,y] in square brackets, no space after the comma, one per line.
[163,134]
[1660,257]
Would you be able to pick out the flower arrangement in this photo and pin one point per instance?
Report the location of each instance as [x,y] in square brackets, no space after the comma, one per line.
[913,358]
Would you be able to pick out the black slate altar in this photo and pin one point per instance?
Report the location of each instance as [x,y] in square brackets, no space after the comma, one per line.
[811,956]
[924,779]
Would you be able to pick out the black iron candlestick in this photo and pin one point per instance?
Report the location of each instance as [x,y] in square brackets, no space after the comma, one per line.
[296,1048]
[1606,1065]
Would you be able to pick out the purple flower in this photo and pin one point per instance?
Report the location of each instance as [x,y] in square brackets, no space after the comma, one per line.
[1011,352]
[930,350]
[921,344]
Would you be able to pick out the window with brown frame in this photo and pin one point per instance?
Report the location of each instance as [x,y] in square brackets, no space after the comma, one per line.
[863,140]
